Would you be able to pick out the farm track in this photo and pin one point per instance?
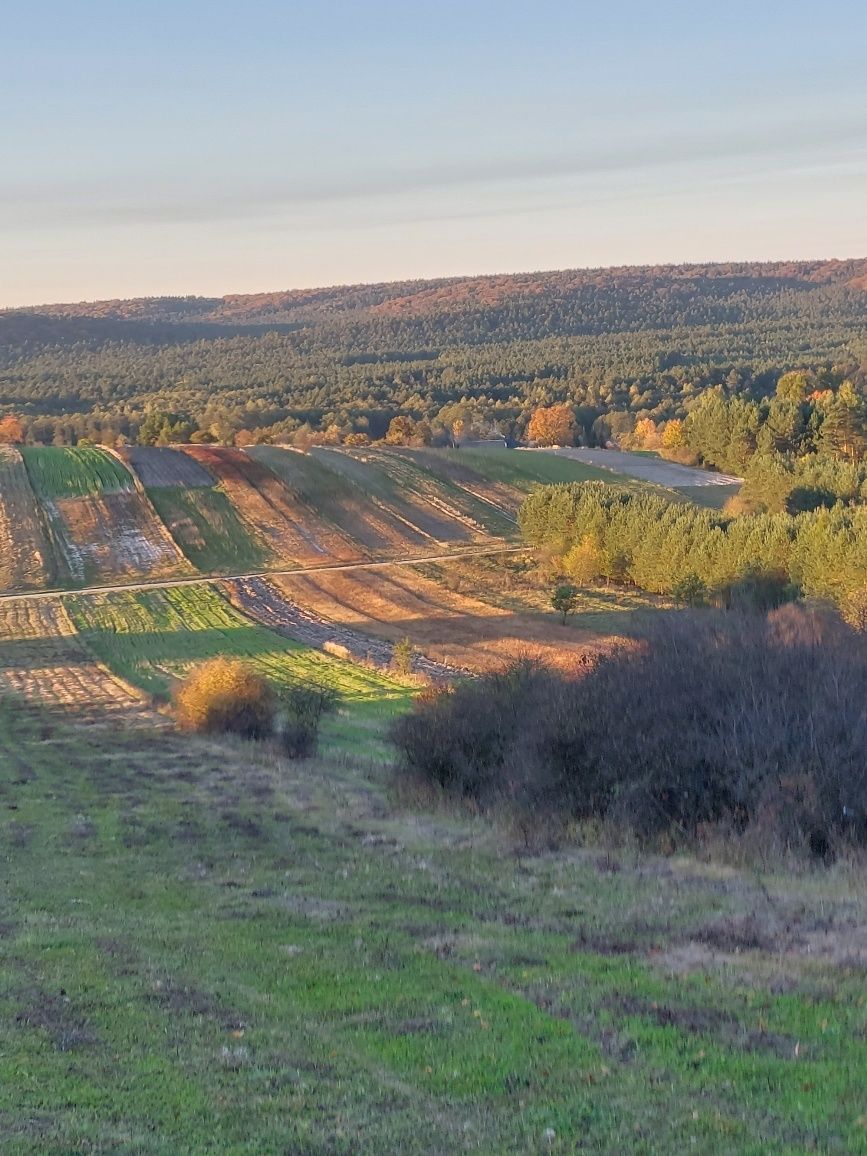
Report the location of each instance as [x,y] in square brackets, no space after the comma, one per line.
[259,599]
[213,579]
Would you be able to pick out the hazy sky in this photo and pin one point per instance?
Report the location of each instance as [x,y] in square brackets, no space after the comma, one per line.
[212,147]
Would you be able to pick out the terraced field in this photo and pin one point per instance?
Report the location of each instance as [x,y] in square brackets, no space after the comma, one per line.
[151,638]
[289,531]
[101,527]
[371,514]
[25,555]
[42,661]
[452,628]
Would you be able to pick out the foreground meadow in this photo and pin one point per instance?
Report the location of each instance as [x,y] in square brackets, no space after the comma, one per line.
[209,949]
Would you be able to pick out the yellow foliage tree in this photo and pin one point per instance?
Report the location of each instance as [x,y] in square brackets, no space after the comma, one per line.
[645,435]
[674,436]
[552,425]
[11,431]
[583,563]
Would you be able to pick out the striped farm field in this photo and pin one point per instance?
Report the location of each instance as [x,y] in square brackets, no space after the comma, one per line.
[476,508]
[43,661]
[101,527]
[25,554]
[74,471]
[152,638]
[371,514]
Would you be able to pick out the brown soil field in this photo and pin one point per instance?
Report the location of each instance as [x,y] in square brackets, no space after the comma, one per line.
[111,536]
[25,554]
[42,660]
[158,466]
[260,599]
[291,530]
[451,628]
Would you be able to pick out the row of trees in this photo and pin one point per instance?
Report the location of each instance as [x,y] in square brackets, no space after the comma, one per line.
[594,531]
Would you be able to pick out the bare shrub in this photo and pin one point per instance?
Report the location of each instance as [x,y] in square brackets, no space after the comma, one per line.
[716,718]
[302,709]
[226,695]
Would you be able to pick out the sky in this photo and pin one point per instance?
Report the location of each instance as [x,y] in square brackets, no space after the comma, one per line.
[151,148]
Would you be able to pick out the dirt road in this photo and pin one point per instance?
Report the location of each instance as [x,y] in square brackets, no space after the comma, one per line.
[661,473]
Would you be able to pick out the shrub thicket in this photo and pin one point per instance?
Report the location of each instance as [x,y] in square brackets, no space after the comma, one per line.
[226,694]
[750,721]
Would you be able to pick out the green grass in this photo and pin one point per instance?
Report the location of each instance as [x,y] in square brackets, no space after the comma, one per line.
[714,497]
[206,949]
[74,471]
[208,529]
[152,637]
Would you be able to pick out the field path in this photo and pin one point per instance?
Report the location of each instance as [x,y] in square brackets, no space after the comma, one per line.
[215,579]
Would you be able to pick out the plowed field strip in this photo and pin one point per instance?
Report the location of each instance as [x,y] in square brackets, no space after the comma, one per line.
[25,555]
[158,466]
[110,536]
[355,512]
[414,477]
[42,660]
[425,515]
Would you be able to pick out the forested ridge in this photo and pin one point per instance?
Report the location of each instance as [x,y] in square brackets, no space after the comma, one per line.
[634,342]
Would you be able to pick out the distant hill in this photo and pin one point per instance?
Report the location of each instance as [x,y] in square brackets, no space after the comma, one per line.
[645,340]
[665,283]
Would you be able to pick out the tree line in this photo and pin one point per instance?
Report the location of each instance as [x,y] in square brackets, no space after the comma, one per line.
[592,531]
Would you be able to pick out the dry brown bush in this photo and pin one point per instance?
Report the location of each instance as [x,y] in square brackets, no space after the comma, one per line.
[749,721]
[226,694]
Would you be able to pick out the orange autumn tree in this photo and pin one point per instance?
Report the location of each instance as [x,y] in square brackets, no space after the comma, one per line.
[552,425]
[11,431]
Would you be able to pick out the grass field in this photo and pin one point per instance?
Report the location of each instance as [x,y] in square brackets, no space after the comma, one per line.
[522,470]
[151,638]
[74,471]
[206,949]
